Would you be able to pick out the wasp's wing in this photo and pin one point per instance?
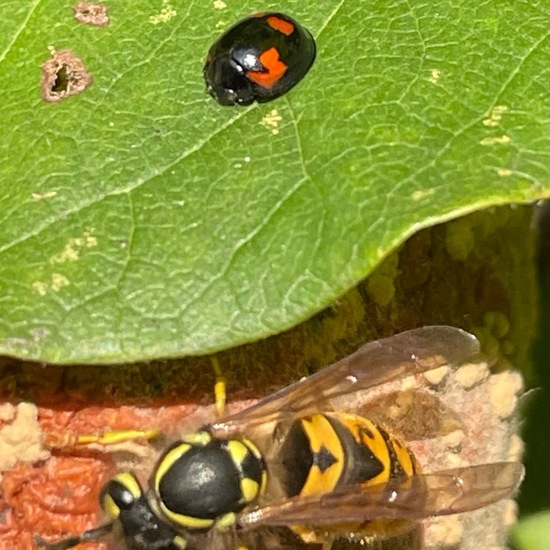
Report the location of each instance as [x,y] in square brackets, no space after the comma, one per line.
[378,362]
[416,498]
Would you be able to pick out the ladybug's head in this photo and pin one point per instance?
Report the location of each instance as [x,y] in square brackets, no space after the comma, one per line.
[227,83]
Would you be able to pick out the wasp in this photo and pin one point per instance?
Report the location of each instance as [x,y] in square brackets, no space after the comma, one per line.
[302,458]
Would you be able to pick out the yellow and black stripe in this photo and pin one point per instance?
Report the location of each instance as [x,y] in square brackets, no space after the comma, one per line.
[324,451]
[125,504]
[202,481]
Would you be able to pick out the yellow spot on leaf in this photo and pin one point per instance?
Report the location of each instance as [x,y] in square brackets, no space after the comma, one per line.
[40,196]
[422,194]
[495,116]
[59,281]
[71,251]
[496,140]
[504,172]
[166,13]
[40,287]
[271,121]
[435,76]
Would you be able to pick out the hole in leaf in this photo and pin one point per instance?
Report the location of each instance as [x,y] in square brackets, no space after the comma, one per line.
[63,75]
[62,81]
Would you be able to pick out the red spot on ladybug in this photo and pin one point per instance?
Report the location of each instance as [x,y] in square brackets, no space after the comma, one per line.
[281,25]
[275,69]
[258,59]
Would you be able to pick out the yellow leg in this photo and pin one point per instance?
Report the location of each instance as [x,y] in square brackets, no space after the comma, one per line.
[67,441]
[220,386]
[116,436]
[121,436]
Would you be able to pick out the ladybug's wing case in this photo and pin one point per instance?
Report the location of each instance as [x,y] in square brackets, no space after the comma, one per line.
[294,52]
[408,353]
[414,498]
[258,59]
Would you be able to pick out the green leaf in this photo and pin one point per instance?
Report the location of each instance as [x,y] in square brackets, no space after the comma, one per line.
[533,532]
[140,219]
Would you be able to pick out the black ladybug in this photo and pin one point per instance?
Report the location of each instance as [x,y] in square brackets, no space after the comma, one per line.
[259,59]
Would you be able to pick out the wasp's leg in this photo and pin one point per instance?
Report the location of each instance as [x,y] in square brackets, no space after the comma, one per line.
[70,542]
[117,436]
[220,387]
[114,437]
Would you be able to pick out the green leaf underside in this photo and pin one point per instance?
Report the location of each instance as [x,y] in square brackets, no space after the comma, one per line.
[140,219]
